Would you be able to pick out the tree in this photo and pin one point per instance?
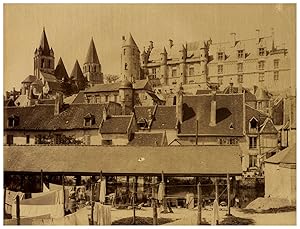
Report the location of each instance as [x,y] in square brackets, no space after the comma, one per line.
[111,78]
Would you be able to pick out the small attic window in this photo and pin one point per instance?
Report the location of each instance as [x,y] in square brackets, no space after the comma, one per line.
[142,123]
[253,124]
[13,121]
[231,126]
[89,120]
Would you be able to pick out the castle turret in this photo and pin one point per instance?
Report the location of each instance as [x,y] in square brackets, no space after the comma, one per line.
[130,60]
[179,105]
[43,57]
[92,67]
[126,95]
[203,61]
[164,67]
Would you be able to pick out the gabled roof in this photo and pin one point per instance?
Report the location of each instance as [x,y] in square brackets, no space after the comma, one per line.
[229,112]
[48,77]
[44,44]
[29,79]
[54,86]
[249,96]
[79,98]
[141,84]
[268,127]
[41,117]
[126,160]
[147,139]
[286,156]
[92,56]
[116,124]
[60,71]
[250,113]
[143,112]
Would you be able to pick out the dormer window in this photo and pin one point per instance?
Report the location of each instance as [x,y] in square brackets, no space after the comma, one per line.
[142,123]
[240,54]
[89,120]
[220,56]
[13,121]
[261,51]
[253,125]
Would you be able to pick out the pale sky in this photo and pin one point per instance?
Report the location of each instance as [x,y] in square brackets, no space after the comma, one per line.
[69,28]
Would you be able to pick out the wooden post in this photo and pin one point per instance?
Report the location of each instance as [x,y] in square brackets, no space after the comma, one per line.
[154,202]
[199,201]
[197,132]
[4,198]
[228,194]
[18,209]
[164,197]
[133,202]
[216,189]
[127,190]
[42,182]
[63,184]
[92,202]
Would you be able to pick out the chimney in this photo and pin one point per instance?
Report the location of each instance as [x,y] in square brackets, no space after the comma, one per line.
[273,42]
[240,88]
[213,108]
[257,36]
[58,103]
[254,89]
[151,45]
[233,39]
[123,38]
[171,43]
[231,86]
[179,103]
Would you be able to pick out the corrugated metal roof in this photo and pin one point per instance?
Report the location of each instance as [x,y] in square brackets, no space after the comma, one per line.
[172,160]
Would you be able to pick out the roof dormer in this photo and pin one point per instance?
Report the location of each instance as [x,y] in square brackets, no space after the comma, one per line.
[13,121]
[89,120]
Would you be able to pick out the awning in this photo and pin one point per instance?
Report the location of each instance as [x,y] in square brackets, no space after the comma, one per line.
[124,160]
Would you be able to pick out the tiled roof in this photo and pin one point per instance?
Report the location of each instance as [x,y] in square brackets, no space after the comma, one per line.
[104,87]
[286,156]
[41,117]
[29,79]
[268,127]
[249,45]
[143,112]
[249,96]
[140,84]
[229,112]
[54,86]
[164,118]
[48,77]
[79,98]
[147,139]
[116,124]
[172,160]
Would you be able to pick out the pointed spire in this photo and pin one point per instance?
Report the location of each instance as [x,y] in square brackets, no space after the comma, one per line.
[44,43]
[163,51]
[60,71]
[92,56]
[130,41]
[77,76]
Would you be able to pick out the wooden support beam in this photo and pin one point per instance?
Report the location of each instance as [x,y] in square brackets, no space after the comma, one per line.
[42,182]
[18,209]
[63,184]
[199,201]
[4,198]
[154,206]
[216,189]
[228,195]
[133,201]
[165,207]
[92,201]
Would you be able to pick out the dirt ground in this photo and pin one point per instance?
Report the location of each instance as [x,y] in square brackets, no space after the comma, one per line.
[182,216]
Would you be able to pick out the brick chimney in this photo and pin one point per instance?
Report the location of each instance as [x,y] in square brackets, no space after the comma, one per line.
[213,108]
[170,43]
[58,103]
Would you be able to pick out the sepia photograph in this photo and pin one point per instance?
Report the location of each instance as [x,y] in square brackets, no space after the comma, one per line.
[149,114]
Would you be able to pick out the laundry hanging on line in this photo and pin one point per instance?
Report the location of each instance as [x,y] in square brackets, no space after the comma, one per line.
[102,214]
[10,199]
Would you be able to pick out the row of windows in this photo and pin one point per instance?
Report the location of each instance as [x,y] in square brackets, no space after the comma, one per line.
[261,77]
[240,54]
[240,66]
[89,68]
[97,98]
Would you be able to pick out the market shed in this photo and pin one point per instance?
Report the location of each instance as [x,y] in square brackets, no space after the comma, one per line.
[124,160]
[280,175]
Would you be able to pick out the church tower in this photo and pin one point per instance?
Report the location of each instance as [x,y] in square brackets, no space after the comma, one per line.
[130,60]
[92,67]
[43,57]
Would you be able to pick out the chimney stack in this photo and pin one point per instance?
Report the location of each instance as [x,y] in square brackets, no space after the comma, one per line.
[257,36]
[151,45]
[105,114]
[233,39]
[179,104]
[171,43]
[58,103]
[213,108]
